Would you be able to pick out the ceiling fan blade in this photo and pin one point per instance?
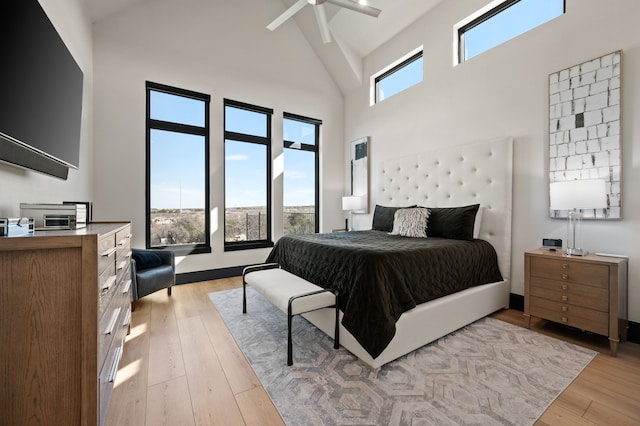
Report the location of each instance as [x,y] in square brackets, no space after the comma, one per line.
[321,17]
[287,14]
[362,8]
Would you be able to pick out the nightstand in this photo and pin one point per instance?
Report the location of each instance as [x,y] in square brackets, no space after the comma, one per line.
[587,292]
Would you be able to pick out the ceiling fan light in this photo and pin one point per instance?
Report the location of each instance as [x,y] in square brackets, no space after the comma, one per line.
[362,2]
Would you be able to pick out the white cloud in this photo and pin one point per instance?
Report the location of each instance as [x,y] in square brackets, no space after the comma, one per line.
[236,157]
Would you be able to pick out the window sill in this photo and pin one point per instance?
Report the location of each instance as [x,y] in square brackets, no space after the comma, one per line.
[247,245]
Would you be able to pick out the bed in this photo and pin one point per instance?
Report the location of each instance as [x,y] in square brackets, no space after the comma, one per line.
[386,276]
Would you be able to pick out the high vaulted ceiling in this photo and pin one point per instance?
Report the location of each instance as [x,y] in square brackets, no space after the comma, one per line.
[355,35]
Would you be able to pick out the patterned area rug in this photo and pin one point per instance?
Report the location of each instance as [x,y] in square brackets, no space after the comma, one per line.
[488,373]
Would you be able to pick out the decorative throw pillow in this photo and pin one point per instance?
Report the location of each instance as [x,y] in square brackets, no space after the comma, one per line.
[411,222]
[146,260]
[452,222]
[383,218]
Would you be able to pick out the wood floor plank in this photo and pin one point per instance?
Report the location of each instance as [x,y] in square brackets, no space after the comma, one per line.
[573,401]
[165,351]
[602,414]
[558,416]
[211,396]
[257,408]
[169,404]
[628,405]
[237,369]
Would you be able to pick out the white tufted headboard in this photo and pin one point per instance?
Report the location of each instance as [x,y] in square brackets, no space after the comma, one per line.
[458,176]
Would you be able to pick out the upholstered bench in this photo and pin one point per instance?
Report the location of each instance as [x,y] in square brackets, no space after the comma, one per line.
[289,293]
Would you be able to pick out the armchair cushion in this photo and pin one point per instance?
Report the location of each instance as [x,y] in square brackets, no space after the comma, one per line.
[146,259]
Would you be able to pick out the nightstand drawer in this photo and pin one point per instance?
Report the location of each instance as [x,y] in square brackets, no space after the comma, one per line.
[570,293]
[575,316]
[570,271]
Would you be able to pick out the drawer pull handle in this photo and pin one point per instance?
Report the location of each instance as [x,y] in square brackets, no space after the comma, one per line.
[112,322]
[565,266]
[565,276]
[565,309]
[122,265]
[107,284]
[565,298]
[123,241]
[126,287]
[114,367]
[109,252]
[564,286]
[565,319]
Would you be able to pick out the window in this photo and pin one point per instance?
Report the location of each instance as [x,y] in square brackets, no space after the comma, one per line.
[400,75]
[501,21]
[301,184]
[177,170]
[247,176]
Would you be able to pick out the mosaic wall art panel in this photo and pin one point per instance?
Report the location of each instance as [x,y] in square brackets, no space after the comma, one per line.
[584,129]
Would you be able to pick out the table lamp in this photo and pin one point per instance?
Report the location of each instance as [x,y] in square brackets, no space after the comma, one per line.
[577,195]
[351,203]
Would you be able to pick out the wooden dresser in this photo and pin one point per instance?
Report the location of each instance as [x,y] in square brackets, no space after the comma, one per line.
[587,292]
[64,311]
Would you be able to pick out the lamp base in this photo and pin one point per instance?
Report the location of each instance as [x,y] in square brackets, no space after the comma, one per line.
[576,252]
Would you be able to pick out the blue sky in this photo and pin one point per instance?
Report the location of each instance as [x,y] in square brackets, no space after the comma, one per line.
[177,173]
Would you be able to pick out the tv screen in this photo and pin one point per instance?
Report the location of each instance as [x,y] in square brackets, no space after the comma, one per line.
[40,91]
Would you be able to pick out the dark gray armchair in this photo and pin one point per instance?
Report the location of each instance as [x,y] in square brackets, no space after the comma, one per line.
[151,270]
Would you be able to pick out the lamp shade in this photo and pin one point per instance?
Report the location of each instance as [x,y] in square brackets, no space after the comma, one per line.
[578,194]
[352,202]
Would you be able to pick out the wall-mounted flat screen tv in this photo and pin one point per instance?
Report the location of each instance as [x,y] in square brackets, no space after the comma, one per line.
[40,92]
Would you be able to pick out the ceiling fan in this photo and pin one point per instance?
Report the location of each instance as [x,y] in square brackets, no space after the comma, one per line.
[357,5]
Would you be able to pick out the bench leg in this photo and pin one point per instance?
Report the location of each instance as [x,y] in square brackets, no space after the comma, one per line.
[244,296]
[289,343]
[336,337]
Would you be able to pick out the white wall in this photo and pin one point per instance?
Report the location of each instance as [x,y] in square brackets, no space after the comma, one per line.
[222,49]
[503,92]
[20,185]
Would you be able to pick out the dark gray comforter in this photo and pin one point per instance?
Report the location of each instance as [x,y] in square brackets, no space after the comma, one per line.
[380,276]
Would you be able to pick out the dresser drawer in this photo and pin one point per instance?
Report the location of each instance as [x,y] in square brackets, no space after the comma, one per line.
[107,282]
[575,316]
[107,375]
[123,267]
[108,327]
[107,253]
[576,272]
[570,293]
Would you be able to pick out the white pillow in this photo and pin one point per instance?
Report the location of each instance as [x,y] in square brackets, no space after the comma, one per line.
[411,222]
[477,223]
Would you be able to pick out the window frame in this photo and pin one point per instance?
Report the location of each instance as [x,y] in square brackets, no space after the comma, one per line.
[309,148]
[243,137]
[391,69]
[154,124]
[480,16]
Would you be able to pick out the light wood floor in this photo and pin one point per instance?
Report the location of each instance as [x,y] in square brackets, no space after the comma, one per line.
[182,367]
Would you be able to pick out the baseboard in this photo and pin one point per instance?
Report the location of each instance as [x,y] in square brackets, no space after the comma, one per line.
[210,274]
[633,333]
[516,301]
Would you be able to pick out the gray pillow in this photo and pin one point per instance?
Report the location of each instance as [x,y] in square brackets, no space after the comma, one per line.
[411,222]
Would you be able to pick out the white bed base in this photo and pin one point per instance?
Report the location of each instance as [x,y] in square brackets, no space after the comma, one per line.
[424,323]
[456,176]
